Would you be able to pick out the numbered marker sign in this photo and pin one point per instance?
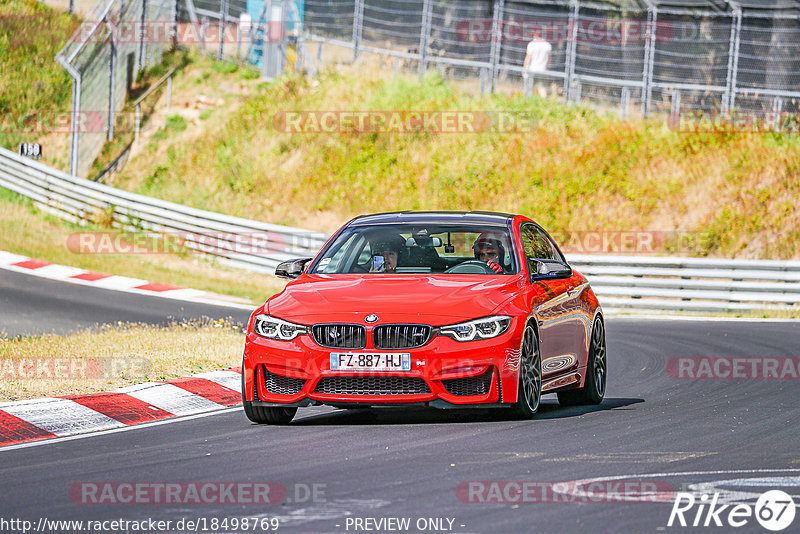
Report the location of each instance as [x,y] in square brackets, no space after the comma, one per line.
[30,150]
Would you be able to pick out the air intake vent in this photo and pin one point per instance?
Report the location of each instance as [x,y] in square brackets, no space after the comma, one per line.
[282,385]
[474,385]
[372,385]
[340,336]
[400,336]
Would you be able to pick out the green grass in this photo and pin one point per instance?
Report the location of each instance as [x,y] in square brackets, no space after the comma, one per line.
[31,82]
[174,124]
[125,126]
[249,73]
[224,67]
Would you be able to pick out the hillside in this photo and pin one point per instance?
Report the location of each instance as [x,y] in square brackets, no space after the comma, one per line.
[34,89]
[577,171]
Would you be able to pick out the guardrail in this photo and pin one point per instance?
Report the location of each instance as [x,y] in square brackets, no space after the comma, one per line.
[634,282]
[691,284]
[250,244]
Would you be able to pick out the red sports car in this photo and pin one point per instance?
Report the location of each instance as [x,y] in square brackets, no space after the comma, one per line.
[444,309]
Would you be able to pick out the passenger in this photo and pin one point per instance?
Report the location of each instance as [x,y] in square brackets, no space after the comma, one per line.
[386,253]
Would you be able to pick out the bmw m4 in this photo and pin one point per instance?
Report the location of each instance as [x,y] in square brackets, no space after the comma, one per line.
[441,309]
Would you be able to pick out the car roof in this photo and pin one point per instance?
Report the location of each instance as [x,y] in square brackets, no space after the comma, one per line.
[439,217]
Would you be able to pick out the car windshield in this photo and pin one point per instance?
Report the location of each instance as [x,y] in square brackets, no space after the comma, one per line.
[420,248]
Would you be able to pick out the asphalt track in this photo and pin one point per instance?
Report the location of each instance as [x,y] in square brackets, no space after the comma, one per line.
[31,305]
[740,436]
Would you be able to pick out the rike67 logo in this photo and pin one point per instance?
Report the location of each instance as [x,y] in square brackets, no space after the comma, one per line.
[774,510]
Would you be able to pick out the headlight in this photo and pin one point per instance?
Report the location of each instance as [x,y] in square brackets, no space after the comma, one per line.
[477,329]
[275,328]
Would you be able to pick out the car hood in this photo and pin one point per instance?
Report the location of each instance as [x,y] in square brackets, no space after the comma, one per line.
[428,299]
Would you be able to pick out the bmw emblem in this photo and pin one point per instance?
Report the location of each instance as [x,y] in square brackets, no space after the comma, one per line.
[371,318]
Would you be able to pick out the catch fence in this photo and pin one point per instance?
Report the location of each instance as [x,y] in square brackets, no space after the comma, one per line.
[636,56]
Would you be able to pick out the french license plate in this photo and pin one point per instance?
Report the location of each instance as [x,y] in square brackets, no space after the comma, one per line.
[349,361]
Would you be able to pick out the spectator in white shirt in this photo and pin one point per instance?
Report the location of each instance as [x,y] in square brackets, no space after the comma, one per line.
[537,59]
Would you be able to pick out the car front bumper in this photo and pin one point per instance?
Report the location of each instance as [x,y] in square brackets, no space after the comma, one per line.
[444,373]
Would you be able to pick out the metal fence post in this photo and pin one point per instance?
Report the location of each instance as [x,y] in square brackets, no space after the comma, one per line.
[625,101]
[111,83]
[192,11]
[733,57]
[272,51]
[424,37]
[358,21]
[483,77]
[649,57]
[777,108]
[576,90]
[675,112]
[494,53]
[142,34]
[174,17]
[223,21]
[75,121]
[569,63]
[137,124]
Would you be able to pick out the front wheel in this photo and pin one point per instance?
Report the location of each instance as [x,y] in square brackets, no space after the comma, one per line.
[265,415]
[594,389]
[530,377]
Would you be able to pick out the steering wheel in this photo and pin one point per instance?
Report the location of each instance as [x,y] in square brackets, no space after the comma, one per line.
[470,267]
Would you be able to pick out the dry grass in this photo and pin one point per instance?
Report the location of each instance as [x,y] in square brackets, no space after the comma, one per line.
[579,170]
[24,230]
[114,356]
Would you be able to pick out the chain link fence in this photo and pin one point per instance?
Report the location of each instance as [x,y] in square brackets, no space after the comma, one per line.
[116,41]
[119,39]
[639,56]
[634,56]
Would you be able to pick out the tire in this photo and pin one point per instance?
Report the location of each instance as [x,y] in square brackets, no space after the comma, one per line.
[594,388]
[265,415]
[530,376]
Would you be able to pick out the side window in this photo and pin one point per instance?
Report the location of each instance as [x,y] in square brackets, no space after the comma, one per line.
[537,245]
[343,257]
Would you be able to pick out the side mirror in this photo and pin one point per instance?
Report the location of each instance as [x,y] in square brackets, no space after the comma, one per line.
[291,269]
[549,270]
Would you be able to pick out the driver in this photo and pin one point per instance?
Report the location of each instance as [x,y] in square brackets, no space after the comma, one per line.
[386,252]
[489,249]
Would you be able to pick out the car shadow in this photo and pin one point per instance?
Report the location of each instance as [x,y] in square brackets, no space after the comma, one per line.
[420,415]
